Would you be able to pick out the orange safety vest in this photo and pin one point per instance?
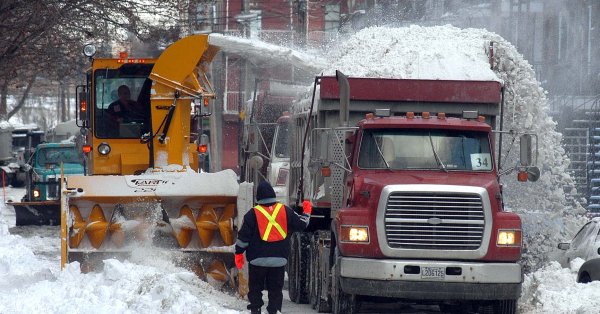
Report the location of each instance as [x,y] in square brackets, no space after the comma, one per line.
[269,218]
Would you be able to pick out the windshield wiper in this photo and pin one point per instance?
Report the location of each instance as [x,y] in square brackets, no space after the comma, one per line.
[379,151]
[437,158]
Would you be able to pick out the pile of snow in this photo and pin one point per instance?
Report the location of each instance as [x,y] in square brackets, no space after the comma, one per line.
[553,289]
[450,53]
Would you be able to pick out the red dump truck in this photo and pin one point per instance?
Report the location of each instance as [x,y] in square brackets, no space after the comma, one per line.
[404,178]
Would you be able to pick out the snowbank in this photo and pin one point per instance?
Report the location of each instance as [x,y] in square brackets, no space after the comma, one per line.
[553,289]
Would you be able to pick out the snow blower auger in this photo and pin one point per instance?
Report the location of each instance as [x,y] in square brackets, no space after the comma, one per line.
[143,193]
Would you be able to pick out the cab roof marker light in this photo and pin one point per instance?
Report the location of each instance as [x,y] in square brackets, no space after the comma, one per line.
[383,112]
[410,115]
[470,114]
[441,115]
[425,115]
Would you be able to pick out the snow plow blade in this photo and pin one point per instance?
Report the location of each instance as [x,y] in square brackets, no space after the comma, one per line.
[187,215]
[37,213]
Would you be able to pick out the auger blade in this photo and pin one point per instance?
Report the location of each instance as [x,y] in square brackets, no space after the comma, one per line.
[97,227]
[183,226]
[217,274]
[226,224]
[78,229]
[207,224]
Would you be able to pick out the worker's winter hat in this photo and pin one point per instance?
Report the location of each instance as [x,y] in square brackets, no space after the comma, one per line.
[265,193]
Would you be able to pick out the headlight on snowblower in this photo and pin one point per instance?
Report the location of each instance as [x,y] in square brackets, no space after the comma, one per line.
[355,234]
[103,149]
[509,237]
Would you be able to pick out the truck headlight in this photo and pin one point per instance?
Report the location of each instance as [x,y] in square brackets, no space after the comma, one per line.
[509,237]
[36,193]
[355,234]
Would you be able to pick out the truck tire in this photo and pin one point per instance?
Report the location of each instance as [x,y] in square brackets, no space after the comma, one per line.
[298,268]
[316,278]
[341,302]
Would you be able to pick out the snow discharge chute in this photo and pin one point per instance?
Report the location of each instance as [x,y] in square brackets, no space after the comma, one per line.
[146,192]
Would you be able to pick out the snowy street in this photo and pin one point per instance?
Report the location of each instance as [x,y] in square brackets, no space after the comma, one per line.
[31,282]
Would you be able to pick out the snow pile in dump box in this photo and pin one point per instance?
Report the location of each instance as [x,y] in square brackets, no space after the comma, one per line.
[450,53]
[553,289]
[415,52]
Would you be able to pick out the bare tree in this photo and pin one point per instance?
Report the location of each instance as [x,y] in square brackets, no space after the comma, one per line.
[41,40]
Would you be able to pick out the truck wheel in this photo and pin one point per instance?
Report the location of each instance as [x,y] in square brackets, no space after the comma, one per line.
[341,302]
[298,268]
[316,278]
[585,278]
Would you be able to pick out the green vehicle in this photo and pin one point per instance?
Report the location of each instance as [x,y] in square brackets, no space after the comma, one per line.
[41,203]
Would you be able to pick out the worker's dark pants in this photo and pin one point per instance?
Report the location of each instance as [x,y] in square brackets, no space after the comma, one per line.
[273,277]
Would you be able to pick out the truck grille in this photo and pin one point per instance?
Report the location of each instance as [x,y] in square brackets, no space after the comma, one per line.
[434,220]
[52,189]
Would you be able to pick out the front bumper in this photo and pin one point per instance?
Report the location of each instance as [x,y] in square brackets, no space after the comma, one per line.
[398,279]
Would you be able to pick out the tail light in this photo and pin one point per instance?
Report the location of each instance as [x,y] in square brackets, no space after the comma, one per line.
[87,149]
[202,149]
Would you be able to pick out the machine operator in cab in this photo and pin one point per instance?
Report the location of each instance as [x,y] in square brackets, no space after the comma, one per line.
[124,109]
[265,237]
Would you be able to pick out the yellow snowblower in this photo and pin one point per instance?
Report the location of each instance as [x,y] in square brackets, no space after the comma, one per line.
[142,187]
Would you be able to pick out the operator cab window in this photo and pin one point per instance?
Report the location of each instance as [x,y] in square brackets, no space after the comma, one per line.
[122,101]
[425,150]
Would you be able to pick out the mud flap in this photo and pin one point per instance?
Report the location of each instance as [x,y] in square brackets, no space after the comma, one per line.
[37,213]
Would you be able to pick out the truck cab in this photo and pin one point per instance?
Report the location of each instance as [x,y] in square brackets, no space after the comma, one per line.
[46,169]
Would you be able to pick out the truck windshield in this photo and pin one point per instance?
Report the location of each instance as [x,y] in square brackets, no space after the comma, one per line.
[413,149]
[122,102]
[57,155]
[281,140]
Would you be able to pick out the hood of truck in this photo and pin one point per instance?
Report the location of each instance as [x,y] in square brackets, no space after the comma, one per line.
[68,169]
[381,178]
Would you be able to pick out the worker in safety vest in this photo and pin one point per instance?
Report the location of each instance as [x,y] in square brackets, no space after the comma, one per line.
[265,237]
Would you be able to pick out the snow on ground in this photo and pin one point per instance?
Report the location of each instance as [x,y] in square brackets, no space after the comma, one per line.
[31,280]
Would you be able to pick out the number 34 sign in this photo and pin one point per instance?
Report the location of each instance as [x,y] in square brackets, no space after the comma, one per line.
[481,162]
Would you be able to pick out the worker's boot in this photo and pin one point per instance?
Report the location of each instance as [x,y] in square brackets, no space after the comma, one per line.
[255,311]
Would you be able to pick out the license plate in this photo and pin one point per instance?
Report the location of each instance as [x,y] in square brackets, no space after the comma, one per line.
[436,273]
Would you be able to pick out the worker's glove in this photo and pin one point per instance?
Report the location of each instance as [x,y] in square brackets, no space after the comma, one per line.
[307,207]
[239,260]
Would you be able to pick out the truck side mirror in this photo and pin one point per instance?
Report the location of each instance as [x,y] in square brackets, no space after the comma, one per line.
[526,154]
[527,172]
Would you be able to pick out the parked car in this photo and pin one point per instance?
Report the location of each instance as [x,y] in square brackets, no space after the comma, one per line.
[585,245]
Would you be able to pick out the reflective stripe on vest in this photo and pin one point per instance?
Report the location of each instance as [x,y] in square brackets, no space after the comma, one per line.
[266,222]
